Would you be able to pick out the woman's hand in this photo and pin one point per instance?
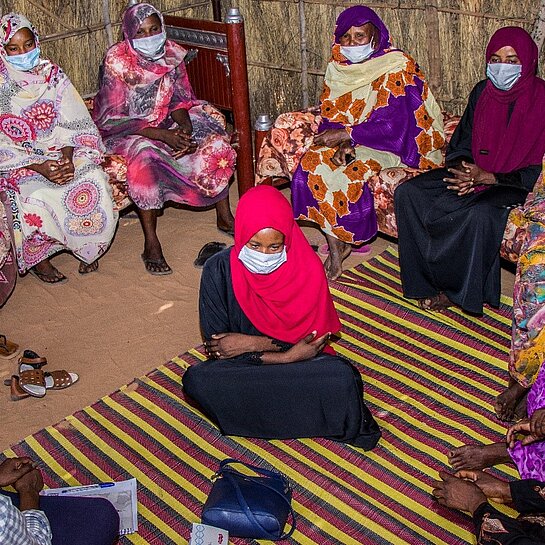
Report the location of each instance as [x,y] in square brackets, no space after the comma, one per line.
[467,176]
[180,142]
[344,155]
[306,348]
[331,138]
[59,172]
[533,429]
[493,488]
[12,469]
[223,346]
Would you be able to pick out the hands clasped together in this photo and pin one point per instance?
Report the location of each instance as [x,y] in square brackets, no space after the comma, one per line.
[467,176]
[22,474]
[180,140]
[467,489]
[223,346]
[60,171]
[337,138]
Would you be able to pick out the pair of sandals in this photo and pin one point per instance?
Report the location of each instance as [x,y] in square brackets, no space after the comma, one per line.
[32,381]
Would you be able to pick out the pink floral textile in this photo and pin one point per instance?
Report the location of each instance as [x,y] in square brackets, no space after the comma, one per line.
[137,93]
[41,113]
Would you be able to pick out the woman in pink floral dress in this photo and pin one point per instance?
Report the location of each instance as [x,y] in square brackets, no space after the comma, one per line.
[175,145]
[51,181]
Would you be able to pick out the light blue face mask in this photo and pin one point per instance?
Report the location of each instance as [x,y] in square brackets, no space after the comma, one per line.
[502,75]
[25,61]
[151,47]
[357,53]
[260,263]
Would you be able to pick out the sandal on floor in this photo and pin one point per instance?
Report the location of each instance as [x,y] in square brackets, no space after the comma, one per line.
[36,382]
[207,251]
[31,360]
[160,263]
[8,349]
[88,268]
[16,392]
[48,278]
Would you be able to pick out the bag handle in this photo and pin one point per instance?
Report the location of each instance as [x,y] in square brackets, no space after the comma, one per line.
[227,473]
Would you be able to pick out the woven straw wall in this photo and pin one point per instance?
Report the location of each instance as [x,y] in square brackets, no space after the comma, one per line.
[447,38]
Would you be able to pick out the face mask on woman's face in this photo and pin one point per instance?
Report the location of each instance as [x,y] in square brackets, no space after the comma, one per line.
[502,75]
[151,47]
[260,263]
[357,53]
[25,61]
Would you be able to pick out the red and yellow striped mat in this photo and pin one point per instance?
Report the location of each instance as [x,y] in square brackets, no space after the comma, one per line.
[429,380]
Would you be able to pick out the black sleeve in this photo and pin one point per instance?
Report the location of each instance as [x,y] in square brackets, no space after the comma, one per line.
[523,178]
[528,495]
[491,526]
[459,147]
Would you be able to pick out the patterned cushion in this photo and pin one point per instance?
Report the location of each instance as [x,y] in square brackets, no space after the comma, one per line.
[385,182]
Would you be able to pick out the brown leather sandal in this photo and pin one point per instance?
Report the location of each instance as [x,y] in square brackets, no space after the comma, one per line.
[8,349]
[16,392]
[32,359]
[36,382]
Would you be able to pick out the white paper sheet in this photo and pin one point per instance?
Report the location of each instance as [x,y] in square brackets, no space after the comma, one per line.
[121,494]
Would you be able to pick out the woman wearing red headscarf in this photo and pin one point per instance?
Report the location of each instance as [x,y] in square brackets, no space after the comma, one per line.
[264,304]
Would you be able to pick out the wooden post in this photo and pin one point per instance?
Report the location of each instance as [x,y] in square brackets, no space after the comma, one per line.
[236,46]
[107,21]
[433,43]
[304,53]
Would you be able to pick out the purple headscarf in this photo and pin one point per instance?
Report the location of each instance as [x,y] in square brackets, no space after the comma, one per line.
[500,143]
[135,15]
[359,16]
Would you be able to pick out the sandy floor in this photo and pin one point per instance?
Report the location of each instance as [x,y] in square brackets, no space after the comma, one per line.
[118,323]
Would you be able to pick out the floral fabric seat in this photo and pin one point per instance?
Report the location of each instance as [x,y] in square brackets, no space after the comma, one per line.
[290,137]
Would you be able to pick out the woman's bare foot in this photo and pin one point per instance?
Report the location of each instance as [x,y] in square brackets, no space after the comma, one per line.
[86,268]
[436,303]
[47,273]
[478,456]
[507,402]
[338,252]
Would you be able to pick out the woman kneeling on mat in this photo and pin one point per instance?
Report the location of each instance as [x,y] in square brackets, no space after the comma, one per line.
[264,303]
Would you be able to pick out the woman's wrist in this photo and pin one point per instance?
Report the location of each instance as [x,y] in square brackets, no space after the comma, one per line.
[29,499]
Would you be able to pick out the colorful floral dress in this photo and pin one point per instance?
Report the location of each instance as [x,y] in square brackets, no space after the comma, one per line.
[137,93]
[393,120]
[40,113]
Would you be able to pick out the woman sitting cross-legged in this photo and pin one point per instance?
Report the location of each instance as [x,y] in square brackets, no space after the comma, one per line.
[50,153]
[266,317]
[376,112]
[175,145]
[451,221]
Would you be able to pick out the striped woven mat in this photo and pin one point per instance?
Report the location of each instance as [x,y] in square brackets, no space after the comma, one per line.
[429,380]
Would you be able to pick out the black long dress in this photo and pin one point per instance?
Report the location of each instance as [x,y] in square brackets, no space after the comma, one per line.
[321,397]
[450,243]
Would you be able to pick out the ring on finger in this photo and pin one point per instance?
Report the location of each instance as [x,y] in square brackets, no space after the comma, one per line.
[218,354]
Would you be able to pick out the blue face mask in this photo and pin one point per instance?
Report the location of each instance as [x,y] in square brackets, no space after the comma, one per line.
[25,61]
[357,53]
[151,47]
[260,263]
[502,75]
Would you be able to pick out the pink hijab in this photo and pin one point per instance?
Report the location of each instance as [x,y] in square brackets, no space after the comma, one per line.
[500,144]
[294,300]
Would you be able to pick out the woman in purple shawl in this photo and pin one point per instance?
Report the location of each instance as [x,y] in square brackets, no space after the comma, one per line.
[175,145]
[451,221]
[376,112]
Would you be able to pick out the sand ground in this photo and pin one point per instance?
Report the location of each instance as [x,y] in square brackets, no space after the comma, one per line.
[119,323]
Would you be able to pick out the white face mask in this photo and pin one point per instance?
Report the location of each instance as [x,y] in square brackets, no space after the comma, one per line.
[151,47]
[357,53]
[260,263]
[503,75]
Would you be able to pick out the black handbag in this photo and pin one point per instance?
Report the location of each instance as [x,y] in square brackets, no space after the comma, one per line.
[249,506]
